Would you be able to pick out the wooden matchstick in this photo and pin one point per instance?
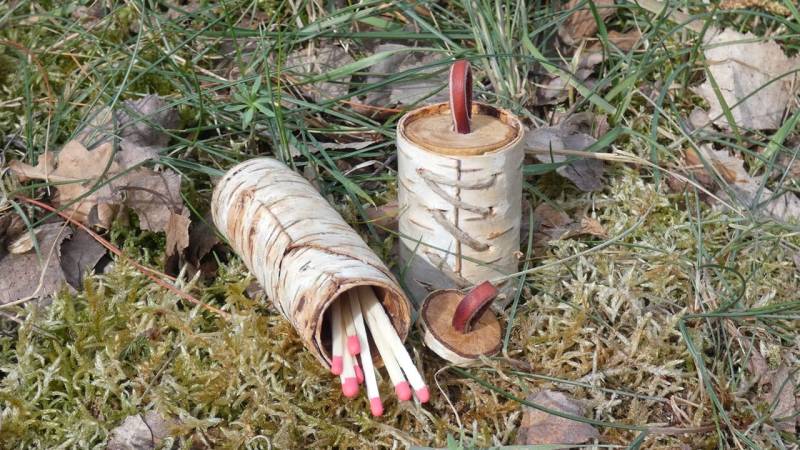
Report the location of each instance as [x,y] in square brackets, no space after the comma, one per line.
[353,345]
[374,396]
[349,380]
[378,316]
[401,386]
[337,339]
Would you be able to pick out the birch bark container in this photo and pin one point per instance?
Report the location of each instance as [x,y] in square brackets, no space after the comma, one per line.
[300,250]
[460,194]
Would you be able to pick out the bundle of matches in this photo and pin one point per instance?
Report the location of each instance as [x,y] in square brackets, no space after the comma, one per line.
[356,312]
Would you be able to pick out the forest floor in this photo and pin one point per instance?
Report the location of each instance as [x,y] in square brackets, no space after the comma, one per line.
[660,245]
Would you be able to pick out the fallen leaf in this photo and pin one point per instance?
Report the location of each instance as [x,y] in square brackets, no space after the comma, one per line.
[79,255]
[555,89]
[581,23]
[26,275]
[781,398]
[747,190]
[140,125]
[177,230]
[384,216]
[81,181]
[318,59]
[585,173]
[539,427]
[154,196]
[426,84]
[755,78]
[141,432]
[202,239]
[553,224]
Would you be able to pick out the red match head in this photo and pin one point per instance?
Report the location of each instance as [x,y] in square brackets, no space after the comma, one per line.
[403,391]
[353,345]
[359,374]
[376,406]
[350,387]
[337,365]
[423,395]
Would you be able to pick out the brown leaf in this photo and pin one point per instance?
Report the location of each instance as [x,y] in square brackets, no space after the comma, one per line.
[202,239]
[746,190]
[425,85]
[781,398]
[539,427]
[384,216]
[177,230]
[82,181]
[79,255]
[752,77]
[26,275]
[585,173]
[141,432]
[140,125]
[581,23]
[318,59]
[555,225]
[154,196]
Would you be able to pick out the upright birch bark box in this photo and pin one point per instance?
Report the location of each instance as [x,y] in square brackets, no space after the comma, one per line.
[459,196]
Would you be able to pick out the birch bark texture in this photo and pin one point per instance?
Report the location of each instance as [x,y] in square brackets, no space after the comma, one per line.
[460,198]
[300,249]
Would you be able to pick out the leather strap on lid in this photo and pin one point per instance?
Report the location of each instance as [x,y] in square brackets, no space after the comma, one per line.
[473,305]
[461,95]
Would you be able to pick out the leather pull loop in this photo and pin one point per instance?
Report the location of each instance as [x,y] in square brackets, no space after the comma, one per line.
[461,95]
[472,306]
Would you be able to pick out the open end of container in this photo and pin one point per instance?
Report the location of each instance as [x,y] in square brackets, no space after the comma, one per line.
[393,303]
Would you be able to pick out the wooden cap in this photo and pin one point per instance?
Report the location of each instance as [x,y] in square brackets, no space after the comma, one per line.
[440,334]
[432,128]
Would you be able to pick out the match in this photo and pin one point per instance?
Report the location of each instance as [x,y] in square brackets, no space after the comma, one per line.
[375,403]
[380,325]
[353,346]
[349,378]
[337,339]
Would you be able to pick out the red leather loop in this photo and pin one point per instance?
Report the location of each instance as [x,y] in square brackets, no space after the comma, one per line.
[473,305]
[461,95]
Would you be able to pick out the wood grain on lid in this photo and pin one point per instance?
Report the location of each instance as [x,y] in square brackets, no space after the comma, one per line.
[432,128]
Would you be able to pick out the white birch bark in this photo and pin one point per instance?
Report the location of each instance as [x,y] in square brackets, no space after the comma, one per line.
[299,248]
[459,217]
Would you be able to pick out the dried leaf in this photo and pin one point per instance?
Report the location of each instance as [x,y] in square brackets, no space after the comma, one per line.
[581,23]
[79,255]
[781,397]
[202,239]
[177,229]
[554,225]
[427,84]
[384,216]
[141,126]
[539,427]
[747,190]
[319,59]
[755,80]
[26,275]
[81,176]
[585,173]
[154,196]
[140,432]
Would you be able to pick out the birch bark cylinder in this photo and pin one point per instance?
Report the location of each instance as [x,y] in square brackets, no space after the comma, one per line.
[460,199]
[300,250]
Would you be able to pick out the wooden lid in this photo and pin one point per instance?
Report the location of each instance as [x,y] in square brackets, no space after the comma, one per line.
[432,129]
[436,319]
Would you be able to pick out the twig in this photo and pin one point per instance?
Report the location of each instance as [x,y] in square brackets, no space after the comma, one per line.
[153,274]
